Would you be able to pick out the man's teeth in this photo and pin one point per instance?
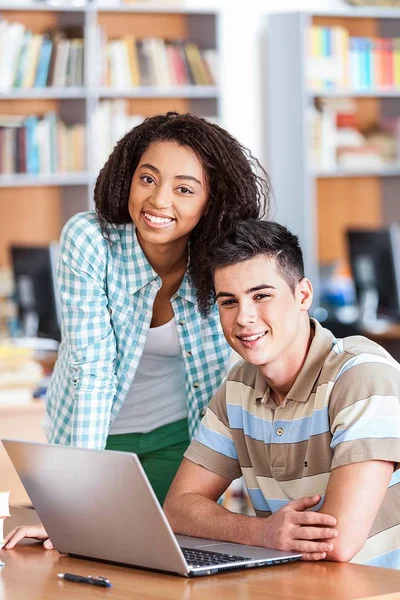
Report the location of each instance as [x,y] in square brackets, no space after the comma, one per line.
[251,338]
[154,219]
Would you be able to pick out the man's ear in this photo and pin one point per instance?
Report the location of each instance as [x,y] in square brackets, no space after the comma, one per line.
[306,294]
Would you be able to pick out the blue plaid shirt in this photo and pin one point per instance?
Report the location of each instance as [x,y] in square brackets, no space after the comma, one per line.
[107,292]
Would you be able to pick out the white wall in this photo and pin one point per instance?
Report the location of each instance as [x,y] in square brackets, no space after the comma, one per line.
[243,41]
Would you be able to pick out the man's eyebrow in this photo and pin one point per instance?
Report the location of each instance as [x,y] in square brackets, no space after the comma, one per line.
[262,286]
[157,171]
[224,294]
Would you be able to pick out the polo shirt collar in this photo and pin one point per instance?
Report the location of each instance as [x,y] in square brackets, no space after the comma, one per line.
[321,346]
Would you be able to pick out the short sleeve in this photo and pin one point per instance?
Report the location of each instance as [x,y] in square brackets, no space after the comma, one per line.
[364,412]
[213,447]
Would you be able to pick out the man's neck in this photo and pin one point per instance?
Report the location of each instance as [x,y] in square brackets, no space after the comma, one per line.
[282,374]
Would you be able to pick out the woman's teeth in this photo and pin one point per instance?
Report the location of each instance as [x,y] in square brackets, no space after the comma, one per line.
[159,220]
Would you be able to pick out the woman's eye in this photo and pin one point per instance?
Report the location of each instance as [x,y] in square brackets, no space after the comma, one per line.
[147,179]
[185,190]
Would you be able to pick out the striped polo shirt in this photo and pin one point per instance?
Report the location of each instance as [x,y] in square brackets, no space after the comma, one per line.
[343,408]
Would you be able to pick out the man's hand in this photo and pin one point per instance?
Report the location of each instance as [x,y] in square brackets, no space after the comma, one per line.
[293,528]
[37,532]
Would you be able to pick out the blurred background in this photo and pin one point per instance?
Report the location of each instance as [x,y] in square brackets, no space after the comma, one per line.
[312,88]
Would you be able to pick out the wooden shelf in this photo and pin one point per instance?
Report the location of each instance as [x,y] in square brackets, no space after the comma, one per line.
[378,93]
[387,171]
[59,179]
[146,7]
[195,91]
[44,93]
[359,13]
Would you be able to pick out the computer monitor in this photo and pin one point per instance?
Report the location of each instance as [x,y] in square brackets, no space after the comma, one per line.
[375,264]
[34,275]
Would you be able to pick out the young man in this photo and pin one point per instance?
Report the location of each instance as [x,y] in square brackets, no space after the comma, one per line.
[310,421]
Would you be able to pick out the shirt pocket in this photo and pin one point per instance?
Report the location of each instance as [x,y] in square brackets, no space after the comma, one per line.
[212,338]
[119,315]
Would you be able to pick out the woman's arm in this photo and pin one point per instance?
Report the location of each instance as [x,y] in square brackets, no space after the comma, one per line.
[87,335]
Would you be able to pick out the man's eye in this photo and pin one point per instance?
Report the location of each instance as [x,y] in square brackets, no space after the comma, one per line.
[228,302]
[262,296]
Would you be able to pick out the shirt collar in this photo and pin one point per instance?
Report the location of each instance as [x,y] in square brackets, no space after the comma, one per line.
[321,346]
[138,269]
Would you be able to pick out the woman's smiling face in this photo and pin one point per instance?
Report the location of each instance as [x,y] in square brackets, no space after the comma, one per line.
[168,194]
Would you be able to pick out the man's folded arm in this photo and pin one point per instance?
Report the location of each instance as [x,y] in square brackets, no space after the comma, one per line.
[354,495]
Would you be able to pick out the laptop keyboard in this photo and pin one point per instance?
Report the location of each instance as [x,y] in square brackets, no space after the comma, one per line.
[204,558]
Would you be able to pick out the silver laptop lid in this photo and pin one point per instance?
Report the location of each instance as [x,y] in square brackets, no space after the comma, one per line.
[114,517]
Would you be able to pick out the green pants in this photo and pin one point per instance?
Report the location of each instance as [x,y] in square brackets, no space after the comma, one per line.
[160,452]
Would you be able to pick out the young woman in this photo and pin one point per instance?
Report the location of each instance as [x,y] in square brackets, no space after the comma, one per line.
[142,350]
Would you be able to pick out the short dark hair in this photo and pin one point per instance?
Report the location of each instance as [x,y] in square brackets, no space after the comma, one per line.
[250,238]
[238,186]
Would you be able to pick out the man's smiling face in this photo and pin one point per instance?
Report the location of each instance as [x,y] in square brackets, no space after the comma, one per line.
[260,315]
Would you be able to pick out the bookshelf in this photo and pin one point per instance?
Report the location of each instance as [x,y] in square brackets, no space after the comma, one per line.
[34,207]
[316,202]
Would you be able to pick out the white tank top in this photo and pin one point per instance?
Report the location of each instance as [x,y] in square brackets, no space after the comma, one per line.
[157,395]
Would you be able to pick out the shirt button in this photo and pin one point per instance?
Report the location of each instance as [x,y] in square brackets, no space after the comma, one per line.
[182,322]
[189,354]
[196,384]
[279,431]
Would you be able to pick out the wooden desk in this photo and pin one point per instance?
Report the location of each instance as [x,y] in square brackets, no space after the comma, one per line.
[22,422]
[30,573]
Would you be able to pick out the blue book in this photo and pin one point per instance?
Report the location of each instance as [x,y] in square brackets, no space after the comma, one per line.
[32,150]
[368,76]
[327,50]
[43,63]
[52,120]
[22,59]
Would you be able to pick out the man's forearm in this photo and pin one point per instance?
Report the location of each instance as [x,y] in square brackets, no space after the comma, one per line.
[193,514]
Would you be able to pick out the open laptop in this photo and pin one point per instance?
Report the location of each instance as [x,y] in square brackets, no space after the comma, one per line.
[99,504]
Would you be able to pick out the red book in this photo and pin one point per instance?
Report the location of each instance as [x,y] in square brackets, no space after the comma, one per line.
[387,63]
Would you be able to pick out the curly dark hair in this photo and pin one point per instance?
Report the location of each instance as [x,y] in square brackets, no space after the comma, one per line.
[236,189]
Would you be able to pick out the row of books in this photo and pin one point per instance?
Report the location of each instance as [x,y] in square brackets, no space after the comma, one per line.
[33,60]
[153,61]
[337,141]
[109,122]
[40,145]
[337,60]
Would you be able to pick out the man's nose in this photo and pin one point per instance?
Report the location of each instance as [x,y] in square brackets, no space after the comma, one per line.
[247,314]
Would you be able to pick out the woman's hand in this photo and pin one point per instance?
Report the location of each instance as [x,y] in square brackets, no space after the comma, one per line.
[37,532]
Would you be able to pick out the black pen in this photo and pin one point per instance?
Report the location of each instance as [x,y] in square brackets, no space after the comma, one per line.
[96,580]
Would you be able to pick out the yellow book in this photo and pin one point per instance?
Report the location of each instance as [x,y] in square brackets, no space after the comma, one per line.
[396,62]
[32,60]
[130,42]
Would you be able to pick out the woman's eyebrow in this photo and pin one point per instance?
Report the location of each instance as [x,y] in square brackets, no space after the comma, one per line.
[158,172]
[189,177]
